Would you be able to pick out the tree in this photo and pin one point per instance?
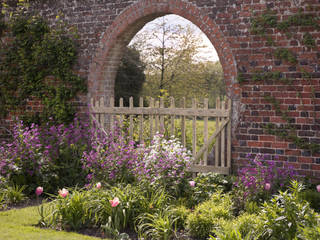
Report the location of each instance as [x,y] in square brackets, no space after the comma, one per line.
[200,80]
[167,50]
[130,77]
[173,64]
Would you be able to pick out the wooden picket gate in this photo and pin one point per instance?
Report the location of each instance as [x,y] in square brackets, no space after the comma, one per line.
[213,156]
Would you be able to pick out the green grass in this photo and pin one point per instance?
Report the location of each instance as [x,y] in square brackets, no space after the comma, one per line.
[167,127]
[19,224]
[200,129]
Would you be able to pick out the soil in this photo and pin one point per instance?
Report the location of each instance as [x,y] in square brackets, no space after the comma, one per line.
[23,204]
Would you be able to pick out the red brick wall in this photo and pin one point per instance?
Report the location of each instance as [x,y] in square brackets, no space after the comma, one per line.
[106,26]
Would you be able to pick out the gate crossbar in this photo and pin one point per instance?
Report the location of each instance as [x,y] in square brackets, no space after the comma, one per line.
[220,157]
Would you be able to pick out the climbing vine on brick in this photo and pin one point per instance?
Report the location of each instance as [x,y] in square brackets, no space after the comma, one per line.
[36,64]
[259,25]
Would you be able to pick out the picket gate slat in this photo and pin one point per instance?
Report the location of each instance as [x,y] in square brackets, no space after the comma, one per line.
[205,132]
[217,143]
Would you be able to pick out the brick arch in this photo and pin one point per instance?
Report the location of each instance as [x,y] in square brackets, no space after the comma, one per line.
[104,65]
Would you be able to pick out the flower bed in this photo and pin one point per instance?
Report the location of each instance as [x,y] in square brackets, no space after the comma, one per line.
[118,187]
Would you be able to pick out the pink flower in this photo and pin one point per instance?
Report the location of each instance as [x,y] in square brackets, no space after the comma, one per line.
[192,183]
[115,202]
[98,185]
[318,188]
[63,193]
[39,191]
[267,186]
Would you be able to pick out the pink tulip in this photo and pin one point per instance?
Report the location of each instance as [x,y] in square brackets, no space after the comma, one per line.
[267,186]
[192,183]
[63,193]
[98,185]
[39,191]
[115,202]
[318,188]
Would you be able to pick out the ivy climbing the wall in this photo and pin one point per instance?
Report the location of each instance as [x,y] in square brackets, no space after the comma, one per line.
[260,24]
[36,66]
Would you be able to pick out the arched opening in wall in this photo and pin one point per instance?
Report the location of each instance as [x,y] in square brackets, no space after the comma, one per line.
[118,35]
[105,65]
[170,57]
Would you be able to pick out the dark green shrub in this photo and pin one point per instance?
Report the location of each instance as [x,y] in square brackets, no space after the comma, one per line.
[247,224]
[209,215]
[181,213]
[10,195]
[287,215]
[251,207]
[245,227]
[159,225]
[205,184]
[312,197]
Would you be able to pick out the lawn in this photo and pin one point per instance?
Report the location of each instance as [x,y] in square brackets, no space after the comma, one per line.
[167,122]
[20,224]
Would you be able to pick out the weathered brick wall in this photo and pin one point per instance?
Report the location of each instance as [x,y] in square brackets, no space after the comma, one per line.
[106,26]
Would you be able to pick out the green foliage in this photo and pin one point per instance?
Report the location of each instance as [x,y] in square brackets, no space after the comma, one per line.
[247,224]
[276,104]
[3,25]
[245,227]
[115,219]
[252,207]
[73,212]
[152,198]
[14,194]
[310,233]
[260,23]
[308,40]
[268,19]
[11,194]
[36,65]
[286,214]
[312,197]
[181,213]
[288,131]
[159,225]
[241,78]
[299,19]
[85,208]
[285,54]
[130,77]
[265,76]
[207,184]
[233,234]
[209,215]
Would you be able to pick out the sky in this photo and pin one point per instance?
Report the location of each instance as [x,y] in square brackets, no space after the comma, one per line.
[208,53]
